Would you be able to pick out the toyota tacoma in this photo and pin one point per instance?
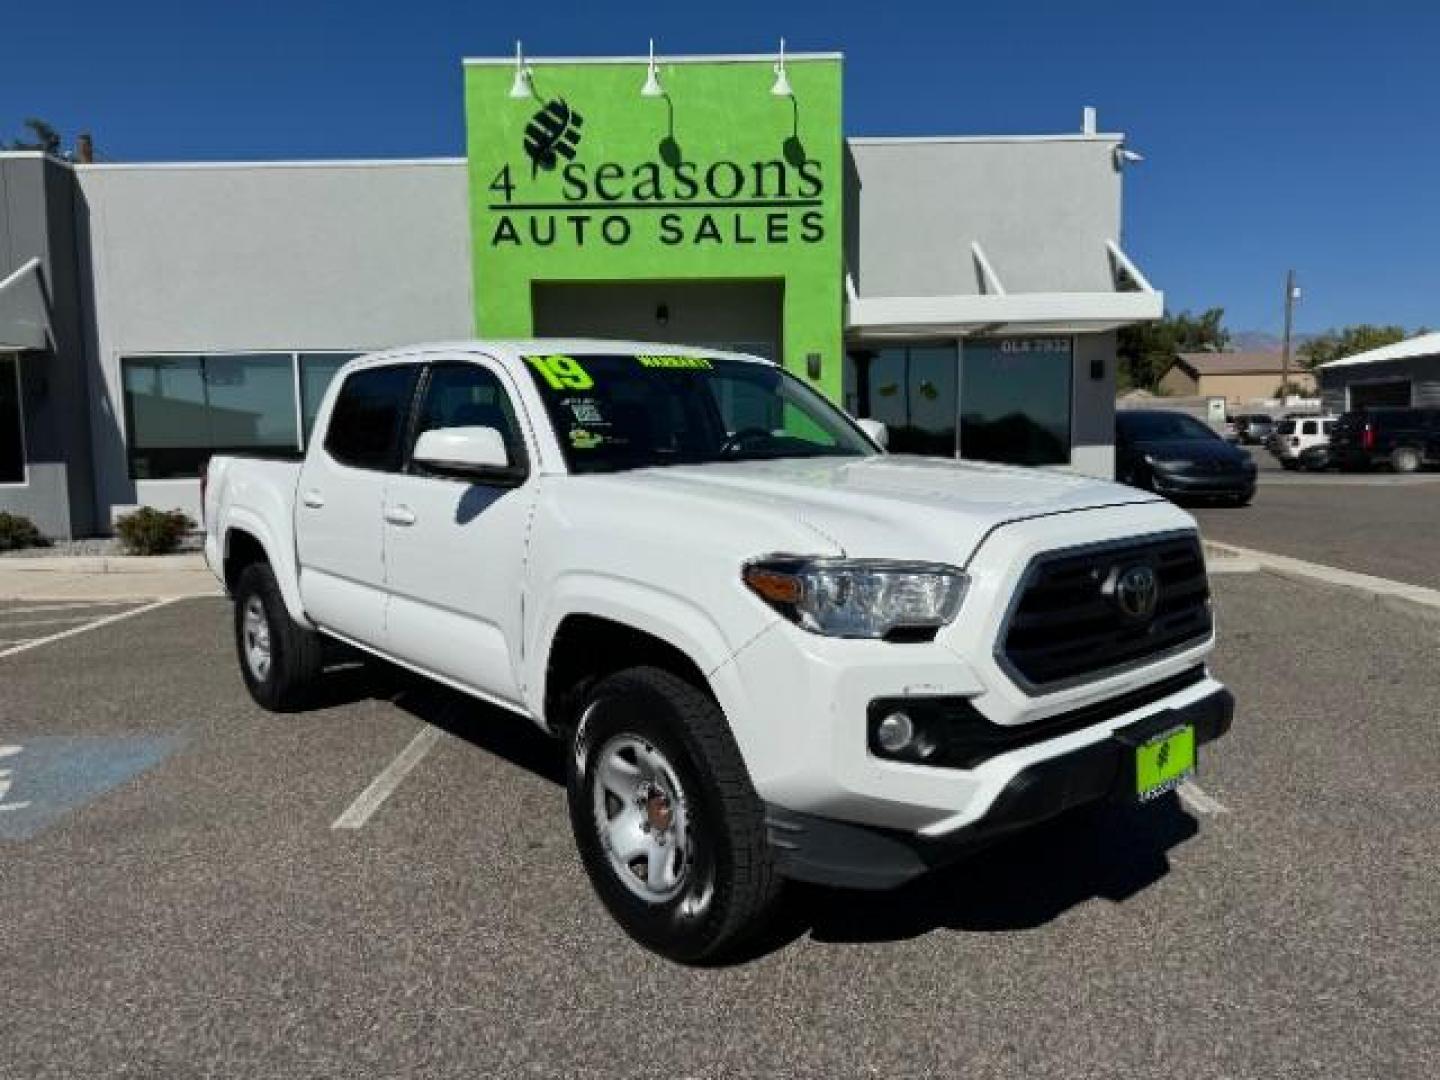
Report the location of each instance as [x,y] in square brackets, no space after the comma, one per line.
[769,649]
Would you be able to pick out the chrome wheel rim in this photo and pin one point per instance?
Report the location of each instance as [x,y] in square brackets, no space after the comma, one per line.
[255,638]
[642,818]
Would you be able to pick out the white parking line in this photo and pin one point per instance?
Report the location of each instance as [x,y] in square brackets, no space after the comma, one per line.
[384,785]
[1198,801]
[106,621]
[63,605]
[39,622]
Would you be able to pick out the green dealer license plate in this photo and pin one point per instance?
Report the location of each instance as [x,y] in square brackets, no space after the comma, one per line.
[1163,761]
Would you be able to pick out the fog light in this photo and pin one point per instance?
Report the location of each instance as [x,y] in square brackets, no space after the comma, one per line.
[894,733]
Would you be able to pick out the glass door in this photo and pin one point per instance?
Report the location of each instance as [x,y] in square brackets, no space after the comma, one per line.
[913,390]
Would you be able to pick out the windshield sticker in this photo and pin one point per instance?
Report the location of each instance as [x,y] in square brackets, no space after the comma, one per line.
[562,372]
[693,363]
[581,439]
[586,410]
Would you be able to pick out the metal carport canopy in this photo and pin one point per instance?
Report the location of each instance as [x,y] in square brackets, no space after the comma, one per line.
[24,315]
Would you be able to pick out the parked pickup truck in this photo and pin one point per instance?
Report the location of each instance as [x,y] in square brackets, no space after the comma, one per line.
[770,650]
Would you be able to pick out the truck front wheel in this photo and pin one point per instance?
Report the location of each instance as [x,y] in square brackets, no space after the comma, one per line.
[668,825]
[280,660]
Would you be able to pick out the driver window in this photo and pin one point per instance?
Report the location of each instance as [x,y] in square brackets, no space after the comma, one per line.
[467,395]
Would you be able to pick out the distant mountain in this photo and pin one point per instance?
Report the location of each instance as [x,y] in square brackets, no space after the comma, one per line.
[1263,341]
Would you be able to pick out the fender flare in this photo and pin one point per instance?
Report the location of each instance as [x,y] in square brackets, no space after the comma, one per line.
[641,606]
[281,558]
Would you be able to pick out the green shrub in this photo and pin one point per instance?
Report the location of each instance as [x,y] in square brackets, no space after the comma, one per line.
[18,531]
[148,531]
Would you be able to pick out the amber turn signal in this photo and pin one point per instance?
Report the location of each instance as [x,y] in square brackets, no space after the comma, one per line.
[772,585]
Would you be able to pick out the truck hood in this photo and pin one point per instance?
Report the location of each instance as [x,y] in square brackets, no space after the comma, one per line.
[893,506]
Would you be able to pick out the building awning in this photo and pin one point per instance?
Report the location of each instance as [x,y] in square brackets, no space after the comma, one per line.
[995,311]
[24,314]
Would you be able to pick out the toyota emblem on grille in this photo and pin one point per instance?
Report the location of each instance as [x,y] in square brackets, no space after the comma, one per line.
[1135,591]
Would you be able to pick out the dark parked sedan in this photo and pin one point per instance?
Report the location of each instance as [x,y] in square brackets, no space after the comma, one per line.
[1175,455]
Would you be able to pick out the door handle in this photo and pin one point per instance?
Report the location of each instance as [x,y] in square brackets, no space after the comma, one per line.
[399,515]
[313,499]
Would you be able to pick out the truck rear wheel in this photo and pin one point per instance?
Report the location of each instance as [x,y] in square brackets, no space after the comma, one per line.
[669,828]
[280,660]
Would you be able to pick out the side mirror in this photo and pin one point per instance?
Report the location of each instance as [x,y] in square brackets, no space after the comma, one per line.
[462,450]
[878,432]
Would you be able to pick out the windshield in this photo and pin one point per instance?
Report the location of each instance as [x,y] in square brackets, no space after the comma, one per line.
[1145,427]
[632,411]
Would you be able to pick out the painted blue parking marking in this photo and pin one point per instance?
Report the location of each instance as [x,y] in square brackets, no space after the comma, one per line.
[44,778]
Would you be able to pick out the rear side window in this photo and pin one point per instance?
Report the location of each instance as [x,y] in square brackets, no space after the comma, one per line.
[1310,427]
[1328,426]
[369,417]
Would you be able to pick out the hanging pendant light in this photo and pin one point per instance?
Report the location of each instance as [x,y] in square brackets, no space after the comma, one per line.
[522,87]
[652,87]
[781,88]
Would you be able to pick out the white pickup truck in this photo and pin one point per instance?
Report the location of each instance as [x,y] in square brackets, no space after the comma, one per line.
[770,649]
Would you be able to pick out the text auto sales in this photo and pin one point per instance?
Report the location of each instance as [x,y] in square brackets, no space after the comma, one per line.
[762,202]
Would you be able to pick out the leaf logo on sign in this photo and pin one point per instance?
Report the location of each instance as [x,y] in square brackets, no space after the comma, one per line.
[553,133]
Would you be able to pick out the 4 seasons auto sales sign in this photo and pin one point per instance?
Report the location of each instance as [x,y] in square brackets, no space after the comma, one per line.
[586,179]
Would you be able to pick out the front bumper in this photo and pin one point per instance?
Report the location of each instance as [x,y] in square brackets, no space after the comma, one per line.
[798,703]
[813,848]
[1204,485]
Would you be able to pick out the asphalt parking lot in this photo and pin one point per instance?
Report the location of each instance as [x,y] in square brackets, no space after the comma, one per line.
[1373,523]
[178,901]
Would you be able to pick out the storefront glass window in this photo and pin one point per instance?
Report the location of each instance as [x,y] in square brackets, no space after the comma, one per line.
[251,400]
[1015,400]
[182,409]
[317,371]
[12,433]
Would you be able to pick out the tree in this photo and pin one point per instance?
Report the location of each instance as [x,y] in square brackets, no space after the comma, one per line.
[1349,340]
[1146,350]
[43,136]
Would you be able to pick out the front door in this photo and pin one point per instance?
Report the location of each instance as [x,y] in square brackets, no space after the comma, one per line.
[338,526]
[455,547]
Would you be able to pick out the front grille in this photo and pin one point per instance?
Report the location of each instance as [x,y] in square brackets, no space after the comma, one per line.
[1063,628]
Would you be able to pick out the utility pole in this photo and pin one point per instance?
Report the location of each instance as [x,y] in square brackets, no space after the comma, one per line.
[1291,293]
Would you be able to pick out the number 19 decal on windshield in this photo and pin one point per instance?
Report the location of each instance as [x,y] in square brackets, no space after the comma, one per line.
[562,372]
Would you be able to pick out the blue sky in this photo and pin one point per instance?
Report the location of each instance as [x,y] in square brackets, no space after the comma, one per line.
[1276,133]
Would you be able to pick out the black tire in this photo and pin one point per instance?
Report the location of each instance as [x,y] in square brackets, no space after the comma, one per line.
[295,651]
[728,884]
[1405,459]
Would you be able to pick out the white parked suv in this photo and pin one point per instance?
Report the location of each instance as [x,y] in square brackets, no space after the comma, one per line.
[1296,434]
[770,649]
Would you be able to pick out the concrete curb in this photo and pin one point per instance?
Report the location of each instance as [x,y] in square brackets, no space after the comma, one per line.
[1330,575]
[106,564]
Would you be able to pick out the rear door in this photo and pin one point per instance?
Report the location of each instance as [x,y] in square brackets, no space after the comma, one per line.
[338,523]
[455,546]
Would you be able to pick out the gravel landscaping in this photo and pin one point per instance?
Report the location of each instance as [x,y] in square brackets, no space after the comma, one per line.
[95,546]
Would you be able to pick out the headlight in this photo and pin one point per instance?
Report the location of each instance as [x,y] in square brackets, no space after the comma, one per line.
[858,598]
